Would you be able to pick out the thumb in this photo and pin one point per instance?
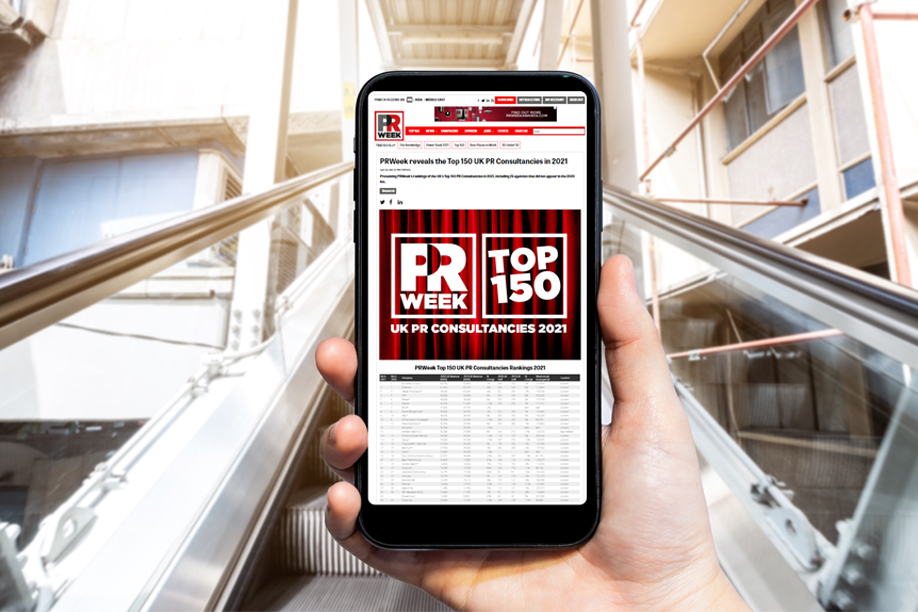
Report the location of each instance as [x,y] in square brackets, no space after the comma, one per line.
[654,522]
[637,364]
[647,414]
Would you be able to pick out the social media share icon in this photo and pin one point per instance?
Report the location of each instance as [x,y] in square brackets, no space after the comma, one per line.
[381,202]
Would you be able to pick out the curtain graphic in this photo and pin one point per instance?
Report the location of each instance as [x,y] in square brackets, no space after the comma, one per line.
[479,284]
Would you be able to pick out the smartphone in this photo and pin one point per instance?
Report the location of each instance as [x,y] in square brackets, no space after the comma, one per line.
[477,224]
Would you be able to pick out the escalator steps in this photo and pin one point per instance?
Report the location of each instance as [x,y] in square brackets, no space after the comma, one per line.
[343,594]
[304,544]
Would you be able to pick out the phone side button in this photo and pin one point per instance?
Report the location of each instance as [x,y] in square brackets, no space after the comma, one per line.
[356,220]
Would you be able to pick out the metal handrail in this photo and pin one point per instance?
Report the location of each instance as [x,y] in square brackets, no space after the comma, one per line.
[39,295]
[807,264]
[862,300]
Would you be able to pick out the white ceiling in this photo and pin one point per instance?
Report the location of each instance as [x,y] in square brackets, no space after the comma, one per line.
[683,29]
[450,33]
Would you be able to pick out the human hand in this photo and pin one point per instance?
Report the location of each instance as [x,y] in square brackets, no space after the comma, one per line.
[653,548]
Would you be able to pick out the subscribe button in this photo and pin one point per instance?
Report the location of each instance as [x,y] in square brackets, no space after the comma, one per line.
[505,99]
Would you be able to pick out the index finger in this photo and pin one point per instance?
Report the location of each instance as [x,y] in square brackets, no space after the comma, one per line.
[343,444]
[336,359]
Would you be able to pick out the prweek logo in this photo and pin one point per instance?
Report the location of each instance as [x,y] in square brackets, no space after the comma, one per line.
[390,125]
[523,276]
[433,276]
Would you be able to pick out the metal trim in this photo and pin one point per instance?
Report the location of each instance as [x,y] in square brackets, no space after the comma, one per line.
[39,295]
[194,519]
[223,529]
[752,562]
[802,546]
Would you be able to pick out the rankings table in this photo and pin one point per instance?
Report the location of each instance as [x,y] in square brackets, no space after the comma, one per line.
[480,439]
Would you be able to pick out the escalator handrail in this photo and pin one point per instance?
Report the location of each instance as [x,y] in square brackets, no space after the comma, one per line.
[796,268]
[35,296]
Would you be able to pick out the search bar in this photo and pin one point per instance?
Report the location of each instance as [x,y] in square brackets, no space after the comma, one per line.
[558,131]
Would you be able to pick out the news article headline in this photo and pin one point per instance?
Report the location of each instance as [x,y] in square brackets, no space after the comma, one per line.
[467,161]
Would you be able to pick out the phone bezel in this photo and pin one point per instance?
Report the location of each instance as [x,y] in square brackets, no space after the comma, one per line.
[481,526]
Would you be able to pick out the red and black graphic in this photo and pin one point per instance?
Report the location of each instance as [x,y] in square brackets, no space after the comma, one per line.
[479,284]
[433,276]
[495,113]
[389,125]
[525,276]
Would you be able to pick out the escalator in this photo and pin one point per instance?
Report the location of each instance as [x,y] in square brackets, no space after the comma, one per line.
[796,374]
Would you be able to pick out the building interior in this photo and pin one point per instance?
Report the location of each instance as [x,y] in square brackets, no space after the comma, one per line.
[176,239]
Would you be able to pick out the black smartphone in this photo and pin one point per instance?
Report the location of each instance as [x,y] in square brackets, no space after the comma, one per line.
[478,227]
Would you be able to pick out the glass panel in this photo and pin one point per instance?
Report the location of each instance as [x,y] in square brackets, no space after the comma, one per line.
[79,201]
[731,59]
[753,29]
[809,410]
[859,178]
[735,109]
[783,64]
[755,94]
[840,39]
[772,84]
[75,392]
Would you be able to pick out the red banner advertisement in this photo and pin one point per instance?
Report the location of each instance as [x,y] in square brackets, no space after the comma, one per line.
[479,284]
[496,113]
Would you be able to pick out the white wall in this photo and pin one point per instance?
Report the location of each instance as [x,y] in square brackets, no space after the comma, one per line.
[897,44]
[111,60]
[775,167]
[670,108]
[369,59]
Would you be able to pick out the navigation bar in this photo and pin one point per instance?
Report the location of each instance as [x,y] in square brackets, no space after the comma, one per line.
[495,131]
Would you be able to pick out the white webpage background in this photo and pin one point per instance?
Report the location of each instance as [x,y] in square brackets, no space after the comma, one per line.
[454,191]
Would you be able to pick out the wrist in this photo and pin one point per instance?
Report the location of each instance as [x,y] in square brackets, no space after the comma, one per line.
[714,592]
[692,589]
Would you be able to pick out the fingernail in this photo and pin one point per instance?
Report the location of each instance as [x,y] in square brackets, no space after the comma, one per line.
[633,275]
[331,433]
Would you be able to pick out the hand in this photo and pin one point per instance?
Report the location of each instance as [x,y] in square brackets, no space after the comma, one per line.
[653,547]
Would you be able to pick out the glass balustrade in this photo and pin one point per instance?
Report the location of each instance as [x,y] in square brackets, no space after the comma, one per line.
[831,418]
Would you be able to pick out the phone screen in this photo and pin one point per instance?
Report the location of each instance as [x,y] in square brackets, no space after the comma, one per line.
[477,359]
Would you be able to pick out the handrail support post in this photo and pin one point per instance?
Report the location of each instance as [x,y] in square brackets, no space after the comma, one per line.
[265,165]
[884,163]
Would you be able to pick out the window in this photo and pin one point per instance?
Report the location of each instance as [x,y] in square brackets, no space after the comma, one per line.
[838,32]
[859,178]
[771,85]
[783,65]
